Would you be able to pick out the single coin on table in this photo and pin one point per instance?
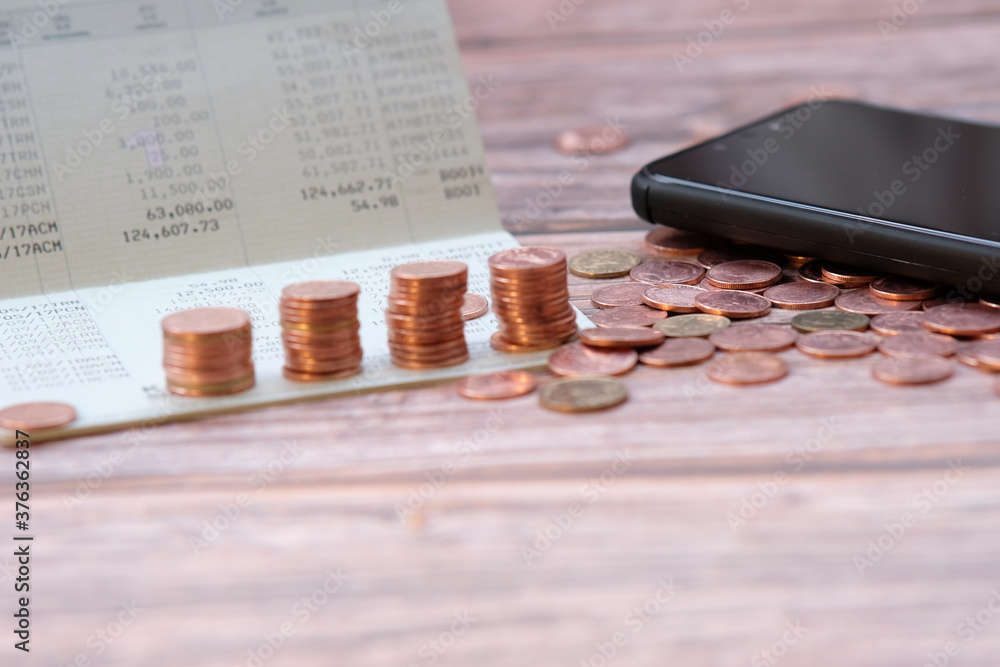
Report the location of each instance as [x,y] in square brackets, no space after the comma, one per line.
[863,302]
[919,344]
[676,352]
[830,320]
[847,275]
[474,306]
[837,344]
[745,274]
[670,241]
[673,298]
[623,337]
[692,326]
[497,386]
[579,359]
[755,338]
[812,272]
[736,252]
[802,295]
[732,304]
[660,271]
[627,316]
[591,139]
[604,263]
[900,288]
[962,319]
[36,416]
[619,294]
[744,368]
[893,324]
[583,394]
[913,370]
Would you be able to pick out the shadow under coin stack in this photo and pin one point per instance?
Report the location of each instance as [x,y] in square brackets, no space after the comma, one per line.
[320,330]
[424,317]
[531,299]
[208,352]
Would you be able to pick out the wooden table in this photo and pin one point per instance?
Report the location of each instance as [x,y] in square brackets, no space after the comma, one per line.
[698,524]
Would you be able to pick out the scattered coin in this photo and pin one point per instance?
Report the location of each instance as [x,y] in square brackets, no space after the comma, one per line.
[802,295]
[627,316]
[812,272]
[737,252]
[986,354]
[578,359]
[862,301]
[583,394]
[474,306]
[846,275]
[900,288]
[732,304]
[36,416]
[913,370]
[746,274]
[676,352]
[967,355]
[795,261]
[623,337]
[754,338]
[748,368]
[893,324]
[593,140]
[919,344]
[674,298]
[837,344]
[604,264]
[665,271]
[497,386]
[962,319]
[692,326]
[619,294]
[942,300]
[670,241]
[830,320]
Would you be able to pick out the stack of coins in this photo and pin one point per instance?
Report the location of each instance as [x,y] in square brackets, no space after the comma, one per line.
[531,299]
[208,352]
[424,317]
[320,330]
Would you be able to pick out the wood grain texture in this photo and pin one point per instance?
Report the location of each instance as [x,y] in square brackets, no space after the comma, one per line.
[829,460]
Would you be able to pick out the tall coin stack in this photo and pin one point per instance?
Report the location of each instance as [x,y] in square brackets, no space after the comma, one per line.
[531,299]
[424,317]
[320,330]
[208,352]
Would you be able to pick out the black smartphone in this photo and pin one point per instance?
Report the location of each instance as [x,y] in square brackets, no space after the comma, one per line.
[897,191]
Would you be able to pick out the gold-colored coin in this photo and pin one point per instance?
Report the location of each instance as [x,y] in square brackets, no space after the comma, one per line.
[692,326]
[583,394]
[830,320]
[604,264]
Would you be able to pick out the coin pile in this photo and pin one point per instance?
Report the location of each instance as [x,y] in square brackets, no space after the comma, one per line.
[208,352]
[320,330]
[424,316]
[531,299]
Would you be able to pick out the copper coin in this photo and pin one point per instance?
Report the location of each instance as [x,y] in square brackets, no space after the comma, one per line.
[592,140]
[863,302]
[991,300]
[966,355]
[432,272]
[321,290]
[628,316]
[802,295]
[474,306]
[227,389]
[497,386]
[733,253]
[692,326]
[578,359]
[942,300]
[913,370]
[665,271]
[501,344]
[670,241]
[755,338]
[845,274]
[962,319]
[527,259]
[830,320]
[746,274]
[583,394]
[205,322]
[795,261]
[986,354]
[299,376]
[893,324]
[36,416]
[620,294]
[624,337]
[919,344]
[748,368]
[673,298]
[732,304]
[706,285]
[676,352]
[900,288]
[837,344]
[812,272]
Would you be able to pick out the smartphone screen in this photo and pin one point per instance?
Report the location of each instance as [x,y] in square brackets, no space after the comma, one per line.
[924,171]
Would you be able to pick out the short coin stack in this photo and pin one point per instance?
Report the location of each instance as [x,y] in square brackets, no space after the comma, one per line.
[320,330]
[424,317]
[531,299]
[208,352]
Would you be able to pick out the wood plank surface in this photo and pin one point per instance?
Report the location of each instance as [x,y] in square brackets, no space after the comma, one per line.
[826,520]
